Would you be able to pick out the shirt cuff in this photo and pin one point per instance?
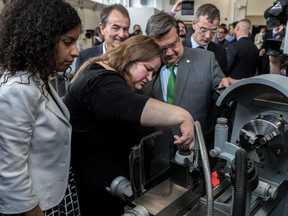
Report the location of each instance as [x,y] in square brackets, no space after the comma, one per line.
[171,13]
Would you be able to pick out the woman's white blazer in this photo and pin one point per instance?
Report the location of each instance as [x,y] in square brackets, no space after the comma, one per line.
[35,138]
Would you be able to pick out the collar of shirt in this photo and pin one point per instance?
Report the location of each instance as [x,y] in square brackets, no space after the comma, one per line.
[279,30]
[195,44]
[104,49]
[244,36]
[99,39]
[166,72]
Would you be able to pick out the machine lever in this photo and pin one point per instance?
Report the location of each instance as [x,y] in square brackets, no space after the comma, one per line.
[194,172]
[189,165]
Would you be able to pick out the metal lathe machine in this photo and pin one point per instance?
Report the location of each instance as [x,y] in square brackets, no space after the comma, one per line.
[252,161]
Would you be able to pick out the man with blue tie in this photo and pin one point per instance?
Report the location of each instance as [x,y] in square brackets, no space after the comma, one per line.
[205,26]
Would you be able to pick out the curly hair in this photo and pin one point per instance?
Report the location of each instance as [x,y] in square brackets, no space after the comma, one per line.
[139,48]
[29,32]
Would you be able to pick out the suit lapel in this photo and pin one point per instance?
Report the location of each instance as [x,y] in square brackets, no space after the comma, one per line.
[183,71]
[58,109]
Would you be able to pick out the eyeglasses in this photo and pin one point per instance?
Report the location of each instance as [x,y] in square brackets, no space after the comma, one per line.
[204,30]
[171,46]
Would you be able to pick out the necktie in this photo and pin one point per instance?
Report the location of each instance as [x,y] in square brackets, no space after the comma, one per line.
[171,85]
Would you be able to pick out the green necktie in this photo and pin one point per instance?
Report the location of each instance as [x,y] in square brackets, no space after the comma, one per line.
[171,85]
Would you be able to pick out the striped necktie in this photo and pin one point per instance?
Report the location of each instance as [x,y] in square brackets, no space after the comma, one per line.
[171,85]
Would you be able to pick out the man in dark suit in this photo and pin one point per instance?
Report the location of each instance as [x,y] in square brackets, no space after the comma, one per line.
[242,55]
[136,30]
[115,23]
[205,26]
[220,38]
[198,75]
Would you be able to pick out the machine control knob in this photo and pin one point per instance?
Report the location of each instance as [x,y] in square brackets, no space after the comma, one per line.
[273,192]
[120,188]
[139,210]
[222,120]
[265,190]
[214,152]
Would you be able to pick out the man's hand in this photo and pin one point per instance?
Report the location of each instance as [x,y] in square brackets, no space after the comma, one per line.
[275,64]
[177,6]
[226,82]
[262,52]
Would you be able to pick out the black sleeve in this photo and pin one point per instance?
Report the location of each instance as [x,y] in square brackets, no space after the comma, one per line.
[108,97]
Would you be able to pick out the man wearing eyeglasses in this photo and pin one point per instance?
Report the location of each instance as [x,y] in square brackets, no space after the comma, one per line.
[205,25]
[198,75]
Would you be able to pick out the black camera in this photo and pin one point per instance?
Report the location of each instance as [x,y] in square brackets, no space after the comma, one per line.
[89,33]
[274,47]
[276,15]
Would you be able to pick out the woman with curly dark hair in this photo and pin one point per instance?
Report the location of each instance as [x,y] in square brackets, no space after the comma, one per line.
[37,39]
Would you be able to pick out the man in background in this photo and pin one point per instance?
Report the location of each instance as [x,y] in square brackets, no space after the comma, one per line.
[278,32]
[242,55]
[115,23]
[99,38]
[136,30]
[230,36]
[182,29]
[259,37]
[205,25]
[258,41]
[220,38]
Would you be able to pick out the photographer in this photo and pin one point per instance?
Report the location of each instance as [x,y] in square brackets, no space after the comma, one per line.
[276,20]
[275,15]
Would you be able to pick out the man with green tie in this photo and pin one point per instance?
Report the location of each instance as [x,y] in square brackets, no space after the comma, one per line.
[171,85]
[198,75]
